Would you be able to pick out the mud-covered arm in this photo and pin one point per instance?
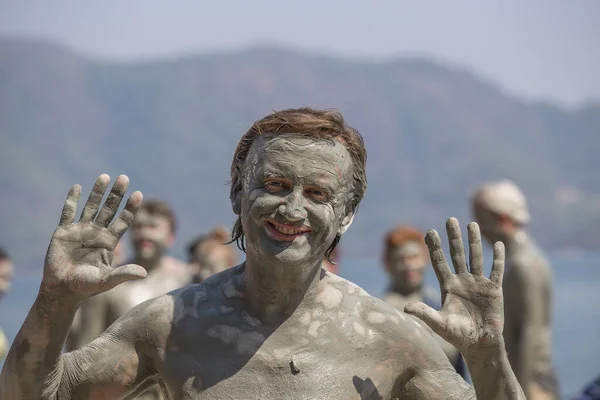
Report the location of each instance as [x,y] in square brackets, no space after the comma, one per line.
[434,377]
[471,318]
[109,367]
[77,267]
[528,290]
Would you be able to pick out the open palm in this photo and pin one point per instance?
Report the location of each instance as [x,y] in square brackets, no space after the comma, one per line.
[472,304]
[78,260]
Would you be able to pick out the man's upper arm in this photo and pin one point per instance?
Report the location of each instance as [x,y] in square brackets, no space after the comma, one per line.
[434,384]
[114,364]
[431,376]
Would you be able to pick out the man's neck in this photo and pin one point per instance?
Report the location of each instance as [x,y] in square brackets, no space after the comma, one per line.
[406,291]
[150,264]
[514,239]
[274,291]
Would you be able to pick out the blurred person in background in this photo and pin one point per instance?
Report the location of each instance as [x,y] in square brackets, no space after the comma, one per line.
[405,258]
[501,210]
[332,263]
[152,234]
[210,254]
[6,274]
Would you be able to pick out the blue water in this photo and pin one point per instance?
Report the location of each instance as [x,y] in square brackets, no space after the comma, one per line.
[576,324]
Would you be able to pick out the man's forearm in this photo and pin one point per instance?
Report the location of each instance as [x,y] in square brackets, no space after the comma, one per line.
[492,376]
[33,361]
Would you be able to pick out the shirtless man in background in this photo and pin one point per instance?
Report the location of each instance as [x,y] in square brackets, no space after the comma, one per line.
[277,326]
[405,259]
[501,210]
[210,254]
[152,234]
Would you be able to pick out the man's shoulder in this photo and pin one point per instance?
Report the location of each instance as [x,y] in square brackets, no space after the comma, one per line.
[175,266]
[529,263]
[377,316]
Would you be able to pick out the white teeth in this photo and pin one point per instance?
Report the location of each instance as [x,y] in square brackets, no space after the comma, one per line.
[287,231]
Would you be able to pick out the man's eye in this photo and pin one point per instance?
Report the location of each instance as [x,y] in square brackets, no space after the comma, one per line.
[274,186]
[317,194]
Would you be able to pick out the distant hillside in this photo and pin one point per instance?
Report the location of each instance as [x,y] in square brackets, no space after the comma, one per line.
[432,133]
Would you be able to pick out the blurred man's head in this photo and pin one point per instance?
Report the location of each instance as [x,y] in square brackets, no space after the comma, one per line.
[209,254]
[500,209]
[6,272]
[153,230]
[332,263]
[405,258]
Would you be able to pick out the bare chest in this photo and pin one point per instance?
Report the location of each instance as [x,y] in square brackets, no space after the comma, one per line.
[245,364]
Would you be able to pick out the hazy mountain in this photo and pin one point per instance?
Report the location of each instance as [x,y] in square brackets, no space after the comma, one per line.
[432,133]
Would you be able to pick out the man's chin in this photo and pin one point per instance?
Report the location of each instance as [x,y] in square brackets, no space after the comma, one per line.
[148,255]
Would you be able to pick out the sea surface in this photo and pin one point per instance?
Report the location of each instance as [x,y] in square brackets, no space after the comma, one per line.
[576,322]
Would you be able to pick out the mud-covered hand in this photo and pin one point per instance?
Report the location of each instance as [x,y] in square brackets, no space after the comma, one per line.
[78,261]
[472,314]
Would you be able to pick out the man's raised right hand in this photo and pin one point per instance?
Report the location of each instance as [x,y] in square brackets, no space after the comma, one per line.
[78,260]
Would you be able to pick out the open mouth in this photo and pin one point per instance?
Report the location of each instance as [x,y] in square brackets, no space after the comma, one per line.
[284,232]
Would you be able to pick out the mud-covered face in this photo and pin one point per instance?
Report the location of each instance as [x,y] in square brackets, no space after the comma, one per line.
[489,225]
[406,265]
[294,197]
[6,274]
[151,235]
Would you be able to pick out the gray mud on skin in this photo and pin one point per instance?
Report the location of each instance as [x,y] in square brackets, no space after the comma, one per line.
[275,327]
[164,274]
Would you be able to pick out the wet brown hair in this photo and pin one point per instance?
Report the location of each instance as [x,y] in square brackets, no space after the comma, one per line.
[400,235]
[321,124]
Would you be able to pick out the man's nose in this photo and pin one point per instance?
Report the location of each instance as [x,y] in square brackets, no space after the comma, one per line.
[293,207]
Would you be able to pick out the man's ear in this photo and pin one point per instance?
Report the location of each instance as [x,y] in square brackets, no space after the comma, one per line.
[346,222]
[235,194]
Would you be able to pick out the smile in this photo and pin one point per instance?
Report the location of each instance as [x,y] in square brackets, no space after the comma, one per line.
[284,232]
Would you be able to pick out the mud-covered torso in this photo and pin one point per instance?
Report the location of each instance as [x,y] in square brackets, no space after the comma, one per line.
[339,348]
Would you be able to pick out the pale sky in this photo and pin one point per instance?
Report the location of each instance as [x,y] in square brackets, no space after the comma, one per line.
[540,49]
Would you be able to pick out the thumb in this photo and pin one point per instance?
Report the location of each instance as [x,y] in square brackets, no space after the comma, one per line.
[125,273]
[426,314]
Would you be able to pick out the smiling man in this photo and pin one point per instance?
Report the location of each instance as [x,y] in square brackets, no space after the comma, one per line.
[277,326]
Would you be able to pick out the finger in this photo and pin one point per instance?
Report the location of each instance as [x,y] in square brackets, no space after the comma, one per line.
[93,202]
[111,205]
[436,254]
[475,252]
[428,315]
[498,264]
[121,224]
[70,207]
[125,273]
[457,250]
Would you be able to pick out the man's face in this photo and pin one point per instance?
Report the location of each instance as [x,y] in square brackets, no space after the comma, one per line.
[406,265]
[488,224]
[151,235]
[6,273]
[294,197]
[212,256]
